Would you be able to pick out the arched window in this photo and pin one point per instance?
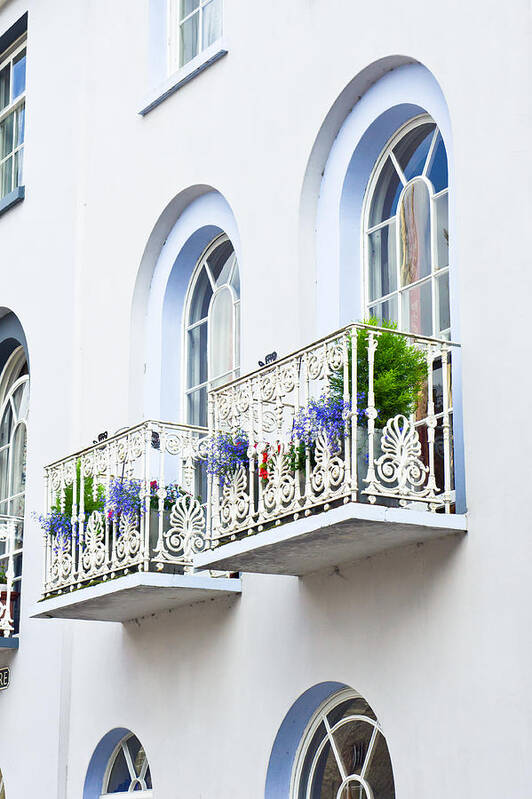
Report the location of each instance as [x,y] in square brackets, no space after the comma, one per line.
[343,753]
[2,787]
[406,232]
[128,770]
[212,327]
[14,404]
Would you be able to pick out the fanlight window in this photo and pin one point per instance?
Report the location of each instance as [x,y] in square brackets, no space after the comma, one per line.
[344,754]
[407,232]
[212,331]
[128,770]
[2,787]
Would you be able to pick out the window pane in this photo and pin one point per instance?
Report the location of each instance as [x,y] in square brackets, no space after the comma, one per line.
[197,407]
[414,226]
[197,355]
[6,135]
[5,426]
[6,177]
[19,74]
[188,39]
[4,455]
[187,6]
[412,150]
[382,262]
[19,162]
[416,307]
[19,126]
[120,779]
[385,311]
[443,321]
[237,335]
[221,334]
[18,461]
[199,306]
[212,22]
[218,259]
[5,96]
[442,230]
[235,280]
[437,172]
[380,774]
[386,194]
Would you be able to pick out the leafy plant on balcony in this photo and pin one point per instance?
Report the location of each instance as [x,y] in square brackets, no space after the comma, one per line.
[3,576]
[399,373]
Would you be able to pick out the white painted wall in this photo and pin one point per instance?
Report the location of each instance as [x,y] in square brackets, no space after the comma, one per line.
[437,638]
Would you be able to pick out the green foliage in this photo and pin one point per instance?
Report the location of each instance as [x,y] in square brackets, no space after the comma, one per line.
[91,504]
[399,374]
[3,576]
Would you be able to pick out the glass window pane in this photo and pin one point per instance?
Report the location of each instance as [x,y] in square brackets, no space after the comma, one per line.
[19,74]
[379,773]
[412,150]
[416,308]
[197,355]
[197,407]
[442,230]
[120,778]
[5,94]
[18,461]
[235,280]
[5,425]
[187,6]
[6,135]
[437,172]
[212,22]
[219,258]
[6,177]
[221,334]
[188,39]
[19,162]
[386,194]
[443,320]
[201,297]
[414,226]
[19,126]
[385,311]
[382,262]
[237,335]
[4,478]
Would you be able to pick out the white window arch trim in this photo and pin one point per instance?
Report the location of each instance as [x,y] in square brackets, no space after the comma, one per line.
[435,271]
[320,717]
[201,264]
[136,779]
[8,388]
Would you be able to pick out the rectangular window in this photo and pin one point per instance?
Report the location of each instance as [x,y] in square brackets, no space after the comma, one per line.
[12,115]
[194,25]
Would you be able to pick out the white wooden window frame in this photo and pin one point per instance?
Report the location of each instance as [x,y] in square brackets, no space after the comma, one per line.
[235,371]
[320,717]
[175,21]
[8,387]
[136,779]
[13,106]
[436,273]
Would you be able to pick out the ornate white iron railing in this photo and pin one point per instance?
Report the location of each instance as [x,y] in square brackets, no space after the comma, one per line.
[314,435]
[132,502]
[11,531]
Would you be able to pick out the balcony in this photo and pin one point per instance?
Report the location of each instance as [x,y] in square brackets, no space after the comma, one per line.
[337,452]
[11,532]
[123,521]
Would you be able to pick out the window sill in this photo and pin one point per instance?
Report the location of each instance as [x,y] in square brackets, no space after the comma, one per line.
[184,75]
[11,199]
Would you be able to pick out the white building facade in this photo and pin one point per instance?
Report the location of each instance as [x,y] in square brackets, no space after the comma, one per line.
[262,526]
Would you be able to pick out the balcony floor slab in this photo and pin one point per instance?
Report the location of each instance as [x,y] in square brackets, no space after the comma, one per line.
[330,538]
[135,595]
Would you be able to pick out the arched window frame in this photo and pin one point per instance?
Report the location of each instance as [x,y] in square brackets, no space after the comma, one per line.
[436,273]
[144,793]
[8,387]
[212,379]
[320,717]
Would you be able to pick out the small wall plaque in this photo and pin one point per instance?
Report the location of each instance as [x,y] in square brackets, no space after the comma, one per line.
[4,677]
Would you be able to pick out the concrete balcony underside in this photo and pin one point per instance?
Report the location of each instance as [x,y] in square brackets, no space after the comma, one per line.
[134,596]
[341,535]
